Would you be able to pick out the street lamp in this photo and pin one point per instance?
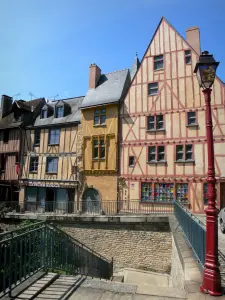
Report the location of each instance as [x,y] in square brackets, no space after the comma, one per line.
[205,70]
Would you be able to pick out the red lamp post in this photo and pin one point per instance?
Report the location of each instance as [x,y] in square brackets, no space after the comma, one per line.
[205,70]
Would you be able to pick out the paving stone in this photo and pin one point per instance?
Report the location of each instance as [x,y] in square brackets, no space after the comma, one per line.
[86,294]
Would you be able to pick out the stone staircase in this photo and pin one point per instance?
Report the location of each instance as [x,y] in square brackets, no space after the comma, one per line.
[62,287]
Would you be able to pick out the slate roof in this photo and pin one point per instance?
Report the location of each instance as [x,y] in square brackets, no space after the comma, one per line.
[109,89]
[25,110]
[72,117]
[135,67]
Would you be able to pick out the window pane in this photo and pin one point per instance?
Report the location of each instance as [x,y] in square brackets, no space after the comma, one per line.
[188,155]
[52,164]
[54,135]
[161,153]
[95,142]
[188,59]
[146,191]
[151,123]
[96,120]
[102,142]
[151,153]
[97,112]
[59,112]
[131,160]
[95,152]
[152,88]
[102,152]
[37,134]
[103,111]
[102,119]
[179,152]
[159,122]
[164,192]
[191,118]
[182,192]
[44,114]
[33,164]
[158,65]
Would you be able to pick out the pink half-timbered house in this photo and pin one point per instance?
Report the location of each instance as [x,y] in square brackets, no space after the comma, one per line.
[163,152]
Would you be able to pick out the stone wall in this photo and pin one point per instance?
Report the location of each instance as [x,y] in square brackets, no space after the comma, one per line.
[146,247]
[177,272]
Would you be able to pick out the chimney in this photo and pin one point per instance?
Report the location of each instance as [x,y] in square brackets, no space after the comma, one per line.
[193,38]
[6,105]
[94,75]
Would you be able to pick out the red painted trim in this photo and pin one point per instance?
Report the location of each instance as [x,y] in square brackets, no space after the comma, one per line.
[172,141]
[130,129]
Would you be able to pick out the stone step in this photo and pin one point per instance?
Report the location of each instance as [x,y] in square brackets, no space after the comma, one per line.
[152,290]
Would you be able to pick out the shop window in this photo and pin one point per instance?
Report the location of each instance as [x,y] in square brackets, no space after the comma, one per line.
[191,116]
[146,191]
[164,192]
[59,112]
[54,135]
[34,164]
[182,192]
[131,161]
[158,62]
[153,89]
[187,56]
[184,153]
[99,116]
[37,136]
[31,194]
[156,153]
[155,122]
[52,165]
[6,135]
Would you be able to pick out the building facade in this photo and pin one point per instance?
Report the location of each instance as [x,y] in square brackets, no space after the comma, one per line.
[163,151]
[52,151]
[14,117]
[100,125]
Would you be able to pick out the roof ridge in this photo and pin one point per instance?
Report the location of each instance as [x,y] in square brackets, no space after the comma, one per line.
[116,71]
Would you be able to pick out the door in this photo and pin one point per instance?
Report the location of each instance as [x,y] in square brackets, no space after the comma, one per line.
[91,201]
[50,200]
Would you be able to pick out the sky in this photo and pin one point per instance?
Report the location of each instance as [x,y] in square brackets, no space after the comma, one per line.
[48,45]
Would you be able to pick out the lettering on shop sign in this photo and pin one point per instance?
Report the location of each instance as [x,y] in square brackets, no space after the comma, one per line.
[53,185]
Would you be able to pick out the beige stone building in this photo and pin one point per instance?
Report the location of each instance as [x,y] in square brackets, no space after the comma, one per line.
[163,151]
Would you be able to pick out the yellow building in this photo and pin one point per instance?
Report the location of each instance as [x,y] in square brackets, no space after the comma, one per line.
[50,179]
[100,129]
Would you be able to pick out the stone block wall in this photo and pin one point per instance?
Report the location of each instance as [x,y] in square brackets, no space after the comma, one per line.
[146,247]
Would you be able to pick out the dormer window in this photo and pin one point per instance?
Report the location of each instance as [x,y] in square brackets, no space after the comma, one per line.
[59,112]
[44,114]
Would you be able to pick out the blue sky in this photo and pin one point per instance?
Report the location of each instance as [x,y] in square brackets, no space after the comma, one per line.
[48,45]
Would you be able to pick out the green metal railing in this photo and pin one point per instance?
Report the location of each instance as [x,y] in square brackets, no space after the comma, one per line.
[42,246]
[193,230]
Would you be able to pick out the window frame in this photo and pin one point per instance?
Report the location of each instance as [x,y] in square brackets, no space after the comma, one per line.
[176,189]
[188,119]
[156,153]
[99,146]
[131,157]
[158,59]
[147,196]
[47,162]
[49,136]
[32,160]
[153,88]
[151,188]
[56,111]
[99,113]
[35,137]
[155,122]
[184,153]
[44,111]
[187,55]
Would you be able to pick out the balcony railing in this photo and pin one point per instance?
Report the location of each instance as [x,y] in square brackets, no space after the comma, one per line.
[93,207]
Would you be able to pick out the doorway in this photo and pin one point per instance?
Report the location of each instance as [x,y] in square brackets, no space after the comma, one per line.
[50,200]
[91,201]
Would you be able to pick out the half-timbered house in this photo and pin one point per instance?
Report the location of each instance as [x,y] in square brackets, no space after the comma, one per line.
[52,149]
[14,116]
[100,125]
[163,151]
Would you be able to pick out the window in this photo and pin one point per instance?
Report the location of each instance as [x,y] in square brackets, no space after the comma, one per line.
[205,190]
[131,161]
[54,135]
[44,114]
[187,56]
[182,192]
[191,118]
[153,89]
[98,148]
[184,153]
[59,112]
[146,191]
[158,62]
[99,116]
[6,135]
[164,192]
[156,153]
[2,161]
[155,122]
[34,164]
[52,165]
[37,136]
